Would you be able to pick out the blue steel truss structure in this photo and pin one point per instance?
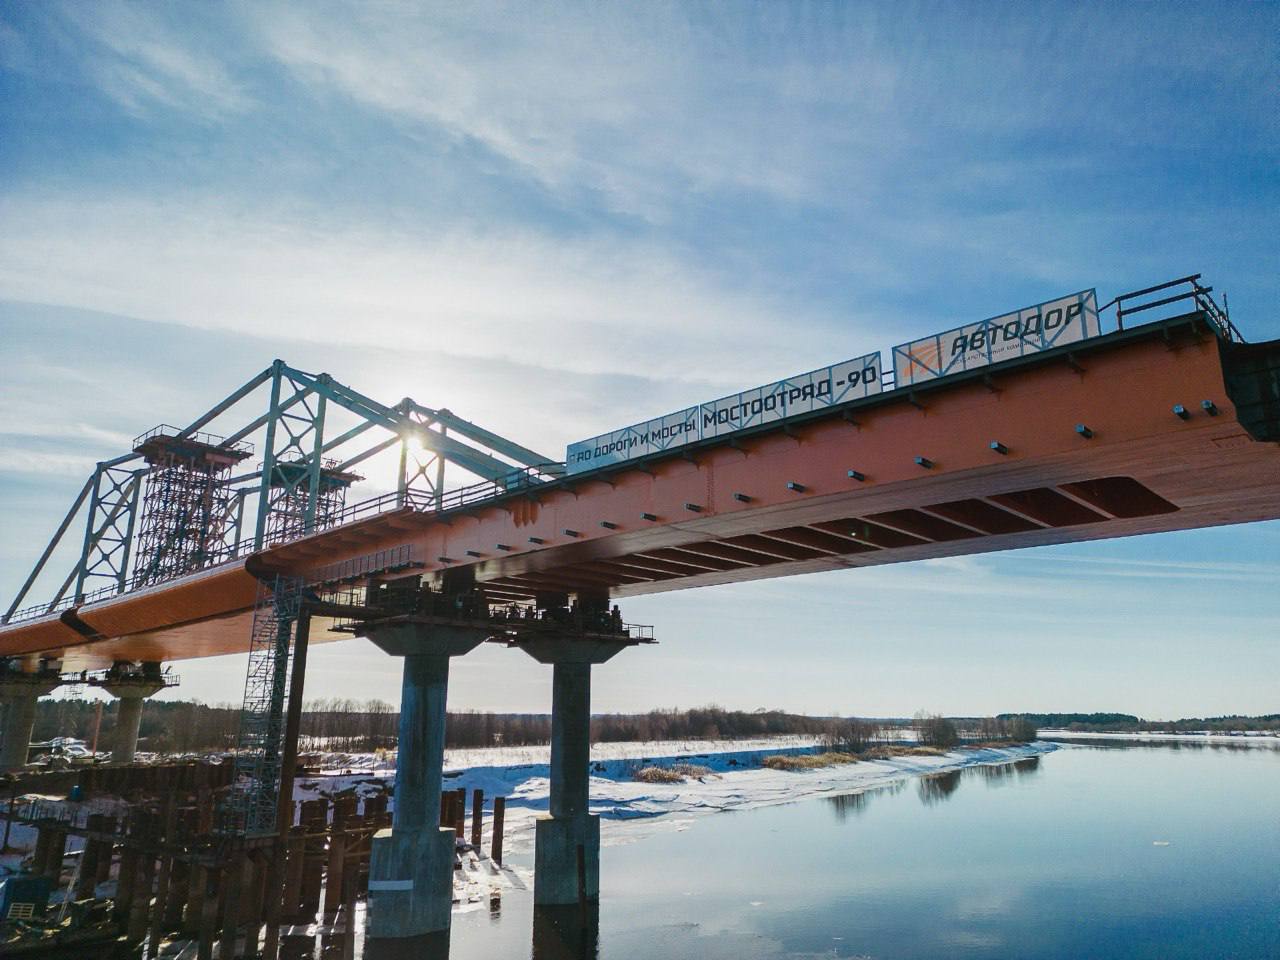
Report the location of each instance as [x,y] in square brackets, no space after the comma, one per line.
[175,504]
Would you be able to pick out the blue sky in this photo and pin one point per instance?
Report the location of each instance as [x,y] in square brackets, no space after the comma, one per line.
[556,220]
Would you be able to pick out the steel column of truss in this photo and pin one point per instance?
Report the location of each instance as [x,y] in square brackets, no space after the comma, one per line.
[299,486]
[314,468]
[268,457]
[414,468]
[238,536]
[328,444]
[254,425]
[117,503]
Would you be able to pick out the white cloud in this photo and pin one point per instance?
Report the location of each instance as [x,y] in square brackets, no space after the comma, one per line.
[21,459]
[578,306]
[141,62]
[624,104]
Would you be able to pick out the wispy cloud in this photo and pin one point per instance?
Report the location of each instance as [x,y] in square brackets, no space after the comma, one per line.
[144,62]
[575,306]
[19,458]
[1165,570]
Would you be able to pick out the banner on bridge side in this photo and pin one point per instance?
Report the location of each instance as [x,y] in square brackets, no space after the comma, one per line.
[1023,332]
[839,383]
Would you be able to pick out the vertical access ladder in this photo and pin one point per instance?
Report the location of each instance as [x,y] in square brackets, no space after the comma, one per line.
[252,807]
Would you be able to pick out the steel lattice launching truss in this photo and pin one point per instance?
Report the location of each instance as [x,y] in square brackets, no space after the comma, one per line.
[175,504]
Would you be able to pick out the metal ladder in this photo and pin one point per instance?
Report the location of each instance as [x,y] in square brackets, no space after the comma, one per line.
[252,806]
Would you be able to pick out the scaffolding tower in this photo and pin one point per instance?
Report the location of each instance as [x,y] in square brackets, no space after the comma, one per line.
[188,509]
[251,808]
[304,501]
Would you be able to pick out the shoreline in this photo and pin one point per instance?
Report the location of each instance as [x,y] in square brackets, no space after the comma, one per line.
[1261,738]
[736,779]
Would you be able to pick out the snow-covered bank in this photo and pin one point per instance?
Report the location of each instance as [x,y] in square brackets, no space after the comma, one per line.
[737,780]
[1258,737]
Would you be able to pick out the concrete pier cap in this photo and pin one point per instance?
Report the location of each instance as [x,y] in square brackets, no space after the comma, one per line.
[130,683]
[411,864]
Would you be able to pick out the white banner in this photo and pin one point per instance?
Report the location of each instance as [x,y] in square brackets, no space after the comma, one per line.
[1026,331]
[1020,333]
[630,443]
[850,380]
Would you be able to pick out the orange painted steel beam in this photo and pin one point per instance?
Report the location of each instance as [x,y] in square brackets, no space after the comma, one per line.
[725,513]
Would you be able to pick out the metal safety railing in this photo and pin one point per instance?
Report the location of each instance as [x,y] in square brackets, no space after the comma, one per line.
[1128,304]
[198,436]
[525,478]
[139,579]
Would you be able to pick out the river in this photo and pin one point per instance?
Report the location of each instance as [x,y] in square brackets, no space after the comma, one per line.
[1093,851]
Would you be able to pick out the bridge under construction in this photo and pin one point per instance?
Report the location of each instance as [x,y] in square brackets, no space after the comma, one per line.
[251,541]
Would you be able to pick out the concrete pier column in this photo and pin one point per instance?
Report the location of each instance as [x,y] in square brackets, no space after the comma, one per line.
[570,738]
[411,864]
[128,722]
[19,692]
[567,841]
[130,684]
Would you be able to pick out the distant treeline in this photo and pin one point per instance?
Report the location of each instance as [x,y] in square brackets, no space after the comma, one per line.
[366,725]
[348,725]
[1083,721]
[1124,722]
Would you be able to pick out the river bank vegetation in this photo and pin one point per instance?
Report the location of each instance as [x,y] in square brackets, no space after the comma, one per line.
[184,726]
[851,741]
[1127,723]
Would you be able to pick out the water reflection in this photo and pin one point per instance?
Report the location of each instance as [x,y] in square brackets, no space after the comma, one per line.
[1107,743]
[431,946]
[937,787]
[566,933]
[999,774]
[847,805]
[1027,766]
[995,774]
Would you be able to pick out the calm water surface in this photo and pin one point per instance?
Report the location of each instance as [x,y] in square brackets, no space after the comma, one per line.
[1097,852]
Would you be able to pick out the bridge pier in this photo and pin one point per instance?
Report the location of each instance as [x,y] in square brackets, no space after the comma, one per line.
[19,691]
[567,841]
[130,685]
[411,865]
